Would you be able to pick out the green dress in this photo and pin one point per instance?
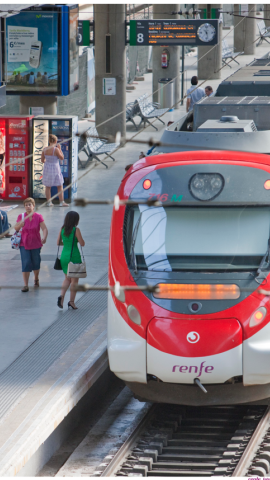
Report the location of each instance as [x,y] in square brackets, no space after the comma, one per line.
[65,255]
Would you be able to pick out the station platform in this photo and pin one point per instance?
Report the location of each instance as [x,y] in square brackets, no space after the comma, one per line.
[49,358]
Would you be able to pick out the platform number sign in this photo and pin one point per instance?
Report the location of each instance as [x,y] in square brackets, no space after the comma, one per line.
[174,32]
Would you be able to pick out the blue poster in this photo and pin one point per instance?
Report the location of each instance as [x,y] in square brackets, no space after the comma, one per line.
[32,63]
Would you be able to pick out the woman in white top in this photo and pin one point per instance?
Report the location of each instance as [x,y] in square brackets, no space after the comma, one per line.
[52,175]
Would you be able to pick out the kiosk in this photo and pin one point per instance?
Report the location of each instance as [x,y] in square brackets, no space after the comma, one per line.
[65,127]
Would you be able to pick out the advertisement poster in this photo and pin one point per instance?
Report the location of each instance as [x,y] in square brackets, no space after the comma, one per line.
[32,64]
[73,48]
[17,135]
[61,128]
[2,157]
[40,140]
[90,79]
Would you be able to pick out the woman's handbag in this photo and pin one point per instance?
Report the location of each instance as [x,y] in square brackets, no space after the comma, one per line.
[16,237]
[76,270]
[57,263]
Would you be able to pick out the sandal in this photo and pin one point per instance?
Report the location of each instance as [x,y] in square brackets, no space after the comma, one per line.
[25,289]
[49,204]
[72,306]
[36,283]
[63,204]
[60,302]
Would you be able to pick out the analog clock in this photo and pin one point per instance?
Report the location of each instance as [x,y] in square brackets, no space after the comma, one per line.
[206,32]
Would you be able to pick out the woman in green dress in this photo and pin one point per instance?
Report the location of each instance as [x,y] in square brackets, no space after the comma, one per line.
[65,237]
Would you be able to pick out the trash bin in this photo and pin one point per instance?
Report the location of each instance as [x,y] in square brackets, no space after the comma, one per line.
[166,92]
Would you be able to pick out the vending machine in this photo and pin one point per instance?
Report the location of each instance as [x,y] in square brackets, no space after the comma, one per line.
[65,127]
[15,156]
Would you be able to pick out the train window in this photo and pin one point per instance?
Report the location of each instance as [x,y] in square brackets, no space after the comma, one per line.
[205,238]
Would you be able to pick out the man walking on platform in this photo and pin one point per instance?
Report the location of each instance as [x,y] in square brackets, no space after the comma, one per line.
[194,94]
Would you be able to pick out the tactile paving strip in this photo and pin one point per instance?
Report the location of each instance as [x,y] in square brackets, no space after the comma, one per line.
[41,354]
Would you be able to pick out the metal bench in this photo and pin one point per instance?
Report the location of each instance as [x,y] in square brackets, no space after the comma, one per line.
[264,32]
[96,146]
[148,110]
[132,111]
[228,54]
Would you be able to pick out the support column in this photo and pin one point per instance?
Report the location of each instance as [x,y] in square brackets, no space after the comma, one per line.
[163,11]
[245,30]
[47,102]
[209,58]
[110,62]
[266,14]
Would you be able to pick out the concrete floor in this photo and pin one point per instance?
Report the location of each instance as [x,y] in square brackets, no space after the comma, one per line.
[25,316]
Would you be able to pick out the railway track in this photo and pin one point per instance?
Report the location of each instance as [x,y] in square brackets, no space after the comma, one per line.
[178,441]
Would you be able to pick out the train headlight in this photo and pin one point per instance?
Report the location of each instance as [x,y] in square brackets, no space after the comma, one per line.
[147,184]
[257,317]
[206,186]
[134,315]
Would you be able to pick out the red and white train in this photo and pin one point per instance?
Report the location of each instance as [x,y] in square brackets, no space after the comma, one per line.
[207,249]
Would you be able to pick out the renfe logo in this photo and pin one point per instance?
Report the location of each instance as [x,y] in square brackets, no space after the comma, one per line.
[193,337]
[185,369]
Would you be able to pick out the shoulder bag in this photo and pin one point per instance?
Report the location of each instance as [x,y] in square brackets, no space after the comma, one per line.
[16,237]
[57,263]
[76,270]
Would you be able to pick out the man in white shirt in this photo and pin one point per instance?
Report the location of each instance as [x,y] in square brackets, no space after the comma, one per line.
[194,94]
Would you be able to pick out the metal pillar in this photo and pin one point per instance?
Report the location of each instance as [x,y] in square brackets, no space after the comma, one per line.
[174,66]
[110,62]
[245,29]
[209,58]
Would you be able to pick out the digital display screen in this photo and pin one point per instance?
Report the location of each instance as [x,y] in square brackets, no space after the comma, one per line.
[174,32]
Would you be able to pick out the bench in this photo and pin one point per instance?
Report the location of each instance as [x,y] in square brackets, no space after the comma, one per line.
[96,146]
[264,32]
[132,111]
[228,54]
[148,110]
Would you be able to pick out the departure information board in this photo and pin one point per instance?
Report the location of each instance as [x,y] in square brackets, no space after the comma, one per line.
[174,32]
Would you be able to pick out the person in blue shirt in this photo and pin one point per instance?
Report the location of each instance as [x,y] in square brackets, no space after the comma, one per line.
[194,93]
[4,225]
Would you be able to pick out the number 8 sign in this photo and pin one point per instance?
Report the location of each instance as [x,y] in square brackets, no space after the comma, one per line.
[140,38]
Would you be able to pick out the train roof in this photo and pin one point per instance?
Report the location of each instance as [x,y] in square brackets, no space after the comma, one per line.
[253,79]
[201,155]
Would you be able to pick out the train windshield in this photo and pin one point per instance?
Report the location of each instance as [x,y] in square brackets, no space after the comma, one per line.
[205,239]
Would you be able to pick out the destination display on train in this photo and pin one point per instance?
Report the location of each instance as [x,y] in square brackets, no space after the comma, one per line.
[174,32]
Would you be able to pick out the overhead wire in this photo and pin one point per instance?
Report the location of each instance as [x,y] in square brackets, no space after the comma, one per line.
[126,141]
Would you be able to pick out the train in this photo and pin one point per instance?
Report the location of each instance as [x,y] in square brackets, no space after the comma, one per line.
[236,117]
[200,333]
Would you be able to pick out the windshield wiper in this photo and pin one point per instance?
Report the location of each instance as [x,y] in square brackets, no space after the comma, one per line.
[133,241]
[264,267]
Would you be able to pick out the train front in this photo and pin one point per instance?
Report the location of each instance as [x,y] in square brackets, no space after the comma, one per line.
[204,337]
